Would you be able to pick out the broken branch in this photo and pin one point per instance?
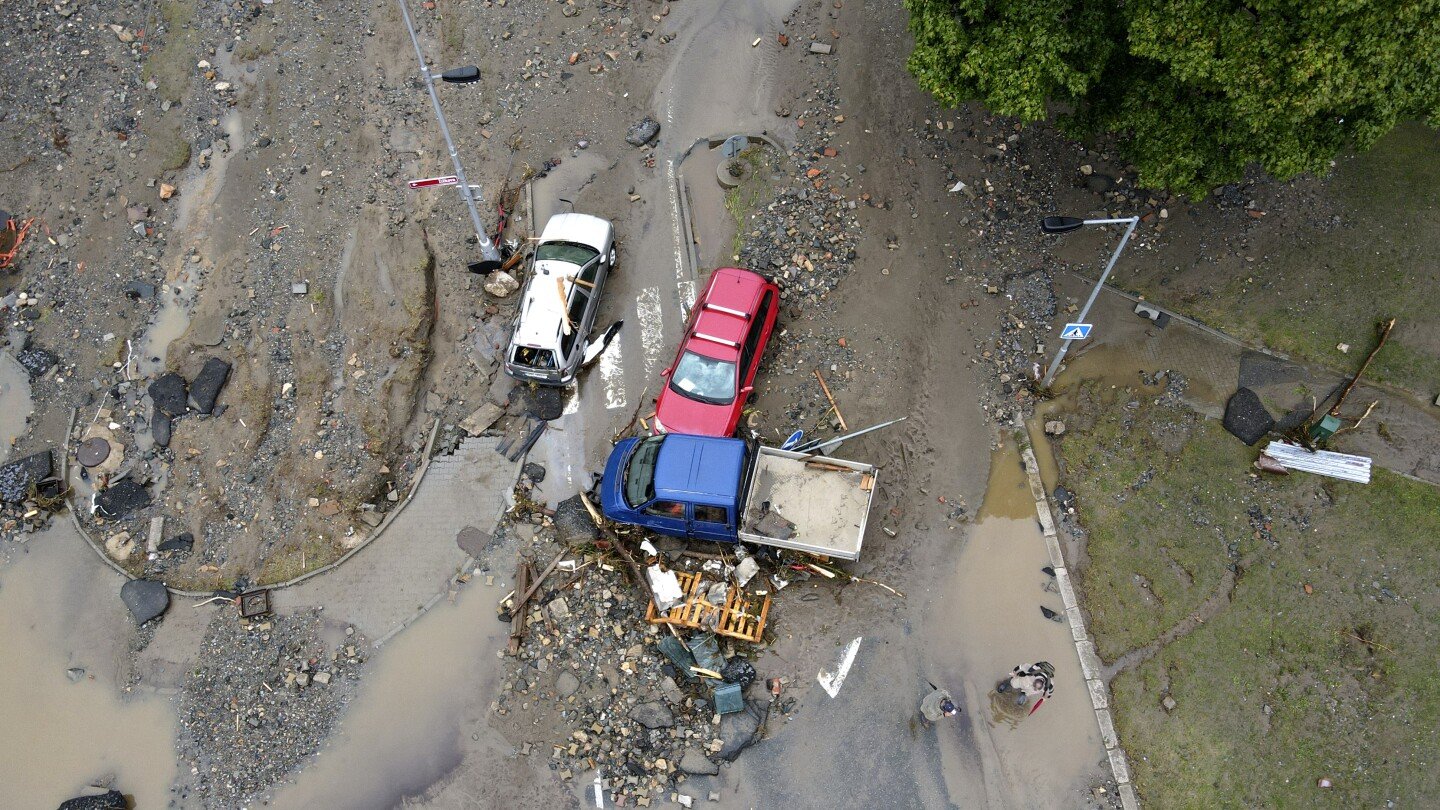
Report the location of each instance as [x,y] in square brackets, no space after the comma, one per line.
[829,396]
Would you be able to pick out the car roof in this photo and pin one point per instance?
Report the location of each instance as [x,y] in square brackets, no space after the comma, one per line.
[730,291]
[542,308]
[582,228]
[699,469]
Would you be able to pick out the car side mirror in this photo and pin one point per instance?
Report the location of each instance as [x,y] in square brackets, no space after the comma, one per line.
[747,390]
[666,372]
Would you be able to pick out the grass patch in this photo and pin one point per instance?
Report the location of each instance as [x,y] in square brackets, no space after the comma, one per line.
[297,557]
[1281,687]
[257,46]
[170,65]
[1319,288]
[745,198]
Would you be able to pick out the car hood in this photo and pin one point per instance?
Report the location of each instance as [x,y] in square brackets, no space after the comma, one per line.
[681,414]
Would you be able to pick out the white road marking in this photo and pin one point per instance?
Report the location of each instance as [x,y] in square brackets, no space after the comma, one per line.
[832,681]
[652,328]
[611,373]
[673,192]
[685,290]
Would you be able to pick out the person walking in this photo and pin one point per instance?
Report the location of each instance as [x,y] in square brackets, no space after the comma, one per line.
[936,705]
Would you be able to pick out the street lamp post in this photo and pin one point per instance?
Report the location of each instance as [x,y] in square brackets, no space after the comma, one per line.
[1065,225]
[489,254]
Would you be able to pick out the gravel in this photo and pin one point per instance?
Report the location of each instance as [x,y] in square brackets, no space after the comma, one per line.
[246,719]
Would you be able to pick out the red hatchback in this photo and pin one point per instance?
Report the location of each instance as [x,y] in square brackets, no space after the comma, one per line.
[714,372]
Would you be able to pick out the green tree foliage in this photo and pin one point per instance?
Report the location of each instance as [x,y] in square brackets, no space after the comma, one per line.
[1196,90]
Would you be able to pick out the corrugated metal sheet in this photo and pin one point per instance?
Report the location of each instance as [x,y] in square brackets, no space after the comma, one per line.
[1321,462]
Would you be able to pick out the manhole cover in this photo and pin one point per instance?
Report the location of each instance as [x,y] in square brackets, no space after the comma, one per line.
[93,451]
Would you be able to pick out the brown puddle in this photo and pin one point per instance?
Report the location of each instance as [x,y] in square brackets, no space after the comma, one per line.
[60,610]
[996,593]
[412,722]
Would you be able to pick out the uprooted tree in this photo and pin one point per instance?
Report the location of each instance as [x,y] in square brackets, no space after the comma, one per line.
[1195,90]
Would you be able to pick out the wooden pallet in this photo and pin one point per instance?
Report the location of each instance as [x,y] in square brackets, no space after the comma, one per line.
[738,617]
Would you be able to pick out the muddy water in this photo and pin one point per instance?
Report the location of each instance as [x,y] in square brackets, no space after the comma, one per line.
[15,403]
[60,610]
[996,590]
[412,722]
[182,281]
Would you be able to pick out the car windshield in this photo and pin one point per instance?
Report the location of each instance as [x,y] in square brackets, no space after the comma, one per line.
[640,472]
[565,252]
[704,378]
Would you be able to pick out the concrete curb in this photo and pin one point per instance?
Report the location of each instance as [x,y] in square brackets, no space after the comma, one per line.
[1084,646]
[389,518]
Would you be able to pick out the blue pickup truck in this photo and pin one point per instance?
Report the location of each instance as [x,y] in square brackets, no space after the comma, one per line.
[729,490]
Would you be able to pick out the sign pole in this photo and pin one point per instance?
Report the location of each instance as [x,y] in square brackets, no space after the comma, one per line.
[1095,293]
[490,256]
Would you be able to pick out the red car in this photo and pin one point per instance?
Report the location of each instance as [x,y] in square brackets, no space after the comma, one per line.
[714,372]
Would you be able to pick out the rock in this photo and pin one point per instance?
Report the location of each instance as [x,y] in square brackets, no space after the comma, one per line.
[109,800]
[180,542]
[559,608]
[820,47]
[501,284]
[17,477]
[1099,183]
[119,546]
[653,715]
[137,213]
[160,428]
[1087,170]
[206,387]
[145,598]
[75,674]
[322,678]
[1054,428]
[642,132]
[168,394]
[566,685]
[740,730]
[1246,417]
[573,524]
[139,291]
[472,541]
[1169,704]
[371,518]
[121,499]
[535,472]
[330,508]
[695,763]
[166,191]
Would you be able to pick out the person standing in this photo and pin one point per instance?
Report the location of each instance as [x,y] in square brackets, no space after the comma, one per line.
[1036,680]
[936,705]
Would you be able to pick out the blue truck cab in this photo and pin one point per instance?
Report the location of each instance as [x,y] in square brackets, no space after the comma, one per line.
[678,485]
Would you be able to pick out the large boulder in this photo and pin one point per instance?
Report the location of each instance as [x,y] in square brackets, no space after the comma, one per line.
[205,389]
[145,598]
[109,800]
[18,476]
[168,394]
[118,500]
[1246,417]
[740,730]
[500,284]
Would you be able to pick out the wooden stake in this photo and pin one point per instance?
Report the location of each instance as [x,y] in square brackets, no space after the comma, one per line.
[826,389]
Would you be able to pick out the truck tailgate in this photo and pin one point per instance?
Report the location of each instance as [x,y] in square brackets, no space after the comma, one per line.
[827,499]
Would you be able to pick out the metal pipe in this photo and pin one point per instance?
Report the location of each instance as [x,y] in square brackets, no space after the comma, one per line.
[1095,293]
[488,252]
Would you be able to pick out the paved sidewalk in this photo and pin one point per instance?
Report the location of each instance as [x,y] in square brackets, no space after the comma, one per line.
[386,583]
[1215,365]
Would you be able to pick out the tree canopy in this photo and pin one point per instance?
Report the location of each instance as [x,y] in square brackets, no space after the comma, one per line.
[1195,90]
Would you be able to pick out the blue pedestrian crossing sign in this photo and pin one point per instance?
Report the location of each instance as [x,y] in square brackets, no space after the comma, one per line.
[1075,331]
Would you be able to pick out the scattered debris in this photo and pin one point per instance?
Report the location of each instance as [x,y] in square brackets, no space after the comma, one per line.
[1321,462]
[642,132]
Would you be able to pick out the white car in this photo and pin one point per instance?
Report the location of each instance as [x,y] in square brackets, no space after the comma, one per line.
[557,308]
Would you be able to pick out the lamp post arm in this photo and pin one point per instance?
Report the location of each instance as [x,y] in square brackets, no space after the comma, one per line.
[487,248]
[1095,293]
